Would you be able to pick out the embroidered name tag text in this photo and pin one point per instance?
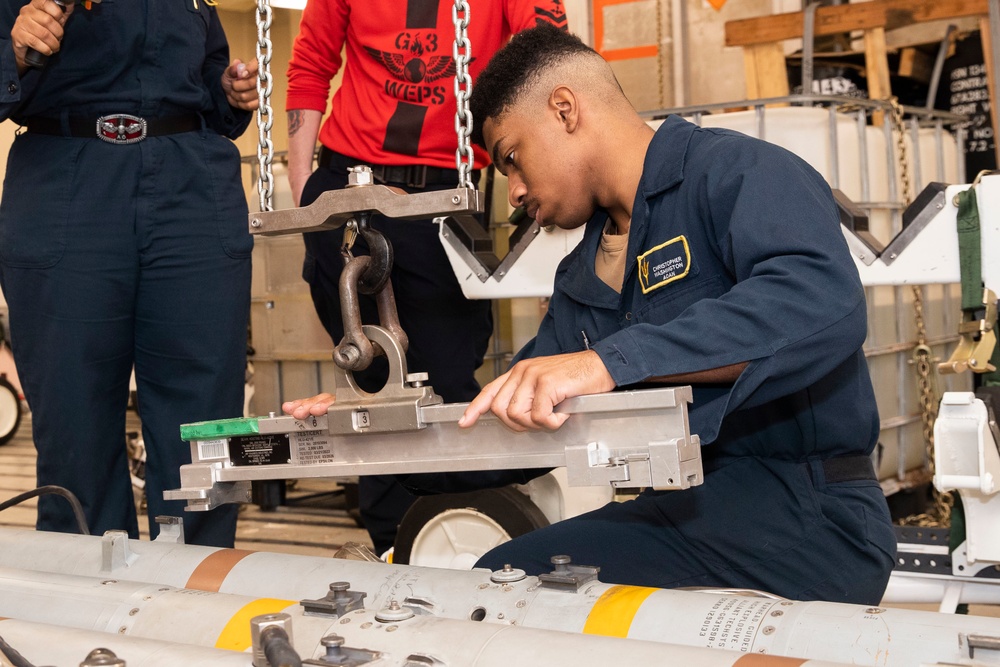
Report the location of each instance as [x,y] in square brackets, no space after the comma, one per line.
[664,264]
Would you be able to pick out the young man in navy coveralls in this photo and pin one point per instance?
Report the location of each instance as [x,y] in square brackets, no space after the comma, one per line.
[126,250]
[732,276]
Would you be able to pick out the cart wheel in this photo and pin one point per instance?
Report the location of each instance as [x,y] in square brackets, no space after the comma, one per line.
[10,410]
[454,530]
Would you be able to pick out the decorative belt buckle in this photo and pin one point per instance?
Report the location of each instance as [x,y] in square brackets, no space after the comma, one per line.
[121,128]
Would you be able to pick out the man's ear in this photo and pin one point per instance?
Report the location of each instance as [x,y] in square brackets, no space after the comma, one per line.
[564,103]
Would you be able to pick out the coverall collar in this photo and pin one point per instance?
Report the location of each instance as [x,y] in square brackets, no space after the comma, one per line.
[663,167]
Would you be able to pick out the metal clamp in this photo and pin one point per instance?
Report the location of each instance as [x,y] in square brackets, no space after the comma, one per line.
[984,642]
[337,602]
[265,628]
[567,577]
[671,464]
[355,350]
[976,343]
[396,407]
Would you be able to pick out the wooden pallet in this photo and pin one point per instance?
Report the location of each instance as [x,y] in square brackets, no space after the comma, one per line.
[764,56]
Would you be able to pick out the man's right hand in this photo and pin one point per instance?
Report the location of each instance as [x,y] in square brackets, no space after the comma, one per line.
[39,26]
[303,407]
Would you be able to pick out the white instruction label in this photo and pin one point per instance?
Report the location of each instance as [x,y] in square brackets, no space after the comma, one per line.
[732,622]
[310,447]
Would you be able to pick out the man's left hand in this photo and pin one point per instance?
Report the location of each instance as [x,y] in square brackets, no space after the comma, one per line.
[524,397]
[239,82]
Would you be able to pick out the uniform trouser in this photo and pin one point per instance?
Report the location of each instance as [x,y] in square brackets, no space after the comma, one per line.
[448,333]
[762,524]
[120,255]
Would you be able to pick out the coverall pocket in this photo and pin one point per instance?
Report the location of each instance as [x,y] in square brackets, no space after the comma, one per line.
[37,200]
[880,534]
[666,304]
[223,159]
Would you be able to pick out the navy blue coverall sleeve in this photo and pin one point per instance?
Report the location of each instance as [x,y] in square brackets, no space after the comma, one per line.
[797,308]
[223,118]
[13,88]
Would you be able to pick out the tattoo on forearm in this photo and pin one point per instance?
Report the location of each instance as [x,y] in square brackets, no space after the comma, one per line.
[295,120]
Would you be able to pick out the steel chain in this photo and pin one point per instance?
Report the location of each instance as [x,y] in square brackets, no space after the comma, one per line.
[265,118]
[659,51]
[901,151]
[462,52]
[940,514]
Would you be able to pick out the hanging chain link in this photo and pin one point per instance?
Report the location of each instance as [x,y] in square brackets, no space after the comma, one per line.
[462,53]
[265,118]
[902,153]
[940,514]
[659,52]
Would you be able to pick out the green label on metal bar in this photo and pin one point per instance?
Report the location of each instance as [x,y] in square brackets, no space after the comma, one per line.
[221,428]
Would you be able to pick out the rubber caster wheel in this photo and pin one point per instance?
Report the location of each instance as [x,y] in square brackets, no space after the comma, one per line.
[455,530]
[10,410]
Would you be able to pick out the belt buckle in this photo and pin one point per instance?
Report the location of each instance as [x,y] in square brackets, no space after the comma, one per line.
[121,128]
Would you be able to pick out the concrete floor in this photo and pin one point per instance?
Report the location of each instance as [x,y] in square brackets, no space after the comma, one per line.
[313,521]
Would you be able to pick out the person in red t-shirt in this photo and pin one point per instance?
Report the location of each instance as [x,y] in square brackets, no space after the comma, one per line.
[395,111]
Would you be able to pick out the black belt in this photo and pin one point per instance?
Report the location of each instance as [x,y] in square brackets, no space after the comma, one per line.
[411,176]
[115,128]
[847,469]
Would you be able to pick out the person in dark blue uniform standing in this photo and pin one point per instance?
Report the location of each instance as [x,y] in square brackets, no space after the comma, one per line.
[711,259]
[123,241]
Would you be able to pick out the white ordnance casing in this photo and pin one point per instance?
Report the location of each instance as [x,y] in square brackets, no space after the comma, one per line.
[43,644]
[223,621]
[854,634]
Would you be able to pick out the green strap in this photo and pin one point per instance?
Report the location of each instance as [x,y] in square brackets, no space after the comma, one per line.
[970,251]
[970,263]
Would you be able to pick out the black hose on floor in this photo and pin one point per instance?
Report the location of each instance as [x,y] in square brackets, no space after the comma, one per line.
[81,519]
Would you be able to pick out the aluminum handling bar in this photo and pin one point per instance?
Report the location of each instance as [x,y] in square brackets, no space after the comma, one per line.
[626,439]
[334,208]
[629,439]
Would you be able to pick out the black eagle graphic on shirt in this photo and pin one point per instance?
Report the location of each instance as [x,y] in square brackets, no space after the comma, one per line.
[412,69]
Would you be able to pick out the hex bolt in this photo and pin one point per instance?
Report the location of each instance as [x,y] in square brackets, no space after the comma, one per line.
[416,379]
[359,176]
[102,656]
[508,574]
[562,564]
[339,590]
[393,613]
[333,644]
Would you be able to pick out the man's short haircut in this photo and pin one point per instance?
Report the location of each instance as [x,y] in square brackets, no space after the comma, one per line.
[513,68]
